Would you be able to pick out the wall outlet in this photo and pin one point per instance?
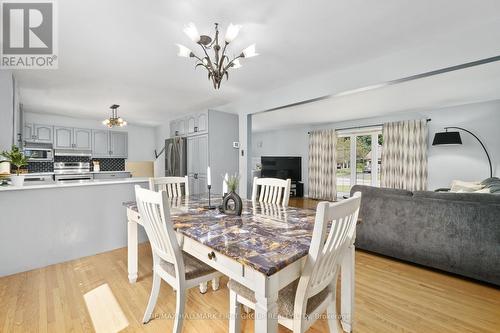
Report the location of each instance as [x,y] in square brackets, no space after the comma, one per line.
[236,145]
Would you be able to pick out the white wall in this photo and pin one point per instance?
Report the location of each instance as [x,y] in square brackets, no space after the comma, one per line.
[445,163]
[141,139]
[6,114]
[286,142]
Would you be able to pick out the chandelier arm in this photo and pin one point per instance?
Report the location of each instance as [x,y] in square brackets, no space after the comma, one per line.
[231,62]
[208,57]
[221,63]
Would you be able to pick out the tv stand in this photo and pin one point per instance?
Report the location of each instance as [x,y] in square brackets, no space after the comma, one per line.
[297,189]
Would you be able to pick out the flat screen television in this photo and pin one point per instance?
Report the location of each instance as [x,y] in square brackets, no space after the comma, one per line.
[282,167]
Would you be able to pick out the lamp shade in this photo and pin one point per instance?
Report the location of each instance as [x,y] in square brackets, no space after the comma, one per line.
[447,138]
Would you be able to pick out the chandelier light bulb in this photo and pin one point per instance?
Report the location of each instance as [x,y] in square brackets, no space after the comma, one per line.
[183,51]
[191,31]
[232,32]
[249,52]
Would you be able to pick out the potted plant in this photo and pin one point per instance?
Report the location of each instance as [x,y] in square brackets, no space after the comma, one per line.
[232,203]
[16,157]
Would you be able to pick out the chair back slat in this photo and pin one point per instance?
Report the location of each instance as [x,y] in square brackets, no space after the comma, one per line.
[155,214]
[171,185]
[271,190]
[327,248]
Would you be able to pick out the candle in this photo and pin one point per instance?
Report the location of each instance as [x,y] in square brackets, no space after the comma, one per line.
[224,184]
[209,177]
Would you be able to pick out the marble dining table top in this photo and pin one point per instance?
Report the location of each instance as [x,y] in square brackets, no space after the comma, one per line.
[265,237]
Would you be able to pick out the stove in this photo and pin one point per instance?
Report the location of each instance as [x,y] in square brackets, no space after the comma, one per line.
[71,171]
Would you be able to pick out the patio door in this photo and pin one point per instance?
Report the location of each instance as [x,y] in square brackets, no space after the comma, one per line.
[358,158]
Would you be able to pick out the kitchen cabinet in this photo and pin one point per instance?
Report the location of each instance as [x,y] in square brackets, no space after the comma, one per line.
[100,143]
[82,138]
[118,144]
[63,137]
[112,175]
[109,144]
[210,137]
[197,163]
[178,127]
[197,124]
[37,133]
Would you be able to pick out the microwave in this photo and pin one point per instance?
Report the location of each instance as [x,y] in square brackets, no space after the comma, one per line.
[39,154]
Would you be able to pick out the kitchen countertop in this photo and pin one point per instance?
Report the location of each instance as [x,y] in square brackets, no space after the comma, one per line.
[51,173]
[92,182]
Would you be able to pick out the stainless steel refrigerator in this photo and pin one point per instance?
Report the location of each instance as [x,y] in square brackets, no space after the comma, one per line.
[176,157]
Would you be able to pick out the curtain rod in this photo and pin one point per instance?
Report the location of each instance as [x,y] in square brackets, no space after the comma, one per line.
[366,126]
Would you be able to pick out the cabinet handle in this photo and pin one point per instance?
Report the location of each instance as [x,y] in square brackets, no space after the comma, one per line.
[176,133]
[196,128]
[211,255]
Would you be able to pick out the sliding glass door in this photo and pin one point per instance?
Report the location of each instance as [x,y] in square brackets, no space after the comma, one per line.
[358,159]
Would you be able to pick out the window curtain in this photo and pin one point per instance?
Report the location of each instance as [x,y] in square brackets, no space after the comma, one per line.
[322,165]
[404,155]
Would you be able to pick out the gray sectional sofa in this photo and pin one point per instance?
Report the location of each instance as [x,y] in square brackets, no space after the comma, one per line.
[453,232]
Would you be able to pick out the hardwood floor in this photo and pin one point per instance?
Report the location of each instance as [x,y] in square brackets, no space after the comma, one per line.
[391,296]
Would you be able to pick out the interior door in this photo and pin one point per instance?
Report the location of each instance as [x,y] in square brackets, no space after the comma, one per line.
[82,138]
[63,138]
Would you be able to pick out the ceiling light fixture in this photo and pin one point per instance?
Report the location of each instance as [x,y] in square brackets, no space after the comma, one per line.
[219,65]
[114,120]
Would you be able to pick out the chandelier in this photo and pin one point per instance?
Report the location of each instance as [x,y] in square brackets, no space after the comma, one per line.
[218,65]
[114,120]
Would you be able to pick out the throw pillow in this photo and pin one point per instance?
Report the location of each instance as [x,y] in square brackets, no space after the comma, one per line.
[489,181]
[459,185]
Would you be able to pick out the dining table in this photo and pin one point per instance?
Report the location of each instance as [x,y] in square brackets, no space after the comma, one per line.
[264,249]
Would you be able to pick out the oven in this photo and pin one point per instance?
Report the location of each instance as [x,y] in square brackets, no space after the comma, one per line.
[72,171]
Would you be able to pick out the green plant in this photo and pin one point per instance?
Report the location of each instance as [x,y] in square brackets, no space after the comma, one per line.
[15,156]
[232,183]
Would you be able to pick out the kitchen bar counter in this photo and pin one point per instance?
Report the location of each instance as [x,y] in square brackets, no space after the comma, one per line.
[92,182]
[47,224]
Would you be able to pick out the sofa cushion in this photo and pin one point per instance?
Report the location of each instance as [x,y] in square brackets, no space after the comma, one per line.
[462,186]
[484,198]
[490,181]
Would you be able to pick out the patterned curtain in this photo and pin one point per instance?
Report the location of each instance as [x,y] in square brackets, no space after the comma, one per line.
[404,155]
[322,165]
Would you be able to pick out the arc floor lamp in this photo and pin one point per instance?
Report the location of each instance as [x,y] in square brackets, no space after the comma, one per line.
[453,138]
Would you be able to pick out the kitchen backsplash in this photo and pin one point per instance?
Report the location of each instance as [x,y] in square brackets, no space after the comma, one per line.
[107,164]
[110,164]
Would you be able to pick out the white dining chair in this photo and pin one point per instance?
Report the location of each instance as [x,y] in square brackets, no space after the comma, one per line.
[180,270]
[303,301]
[271,190]
[171,185]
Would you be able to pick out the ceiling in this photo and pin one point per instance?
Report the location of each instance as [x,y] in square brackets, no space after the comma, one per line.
[474,84]
[123,51]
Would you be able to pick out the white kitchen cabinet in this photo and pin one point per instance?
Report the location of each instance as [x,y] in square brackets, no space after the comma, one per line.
[197,163]
[43,133]
[82,138]
[37,133]
[63,137]
[28,134]
[118,144]
[100,143]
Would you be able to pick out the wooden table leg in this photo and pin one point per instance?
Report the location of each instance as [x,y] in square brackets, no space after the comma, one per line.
[132,250]
[266,313]
[347,289]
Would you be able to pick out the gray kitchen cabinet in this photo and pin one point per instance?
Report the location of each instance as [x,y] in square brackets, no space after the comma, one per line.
[82,138]
[112,175]
[43,133]
[197,163]
[63,137]
[28,134]
[100,143]
[118,144]
[37,133]
[210,137]
[109,144]
[178,127]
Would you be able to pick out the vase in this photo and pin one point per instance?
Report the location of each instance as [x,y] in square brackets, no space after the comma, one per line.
[232,204]
[16,180]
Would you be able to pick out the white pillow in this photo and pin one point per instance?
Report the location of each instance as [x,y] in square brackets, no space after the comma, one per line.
[462,186]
